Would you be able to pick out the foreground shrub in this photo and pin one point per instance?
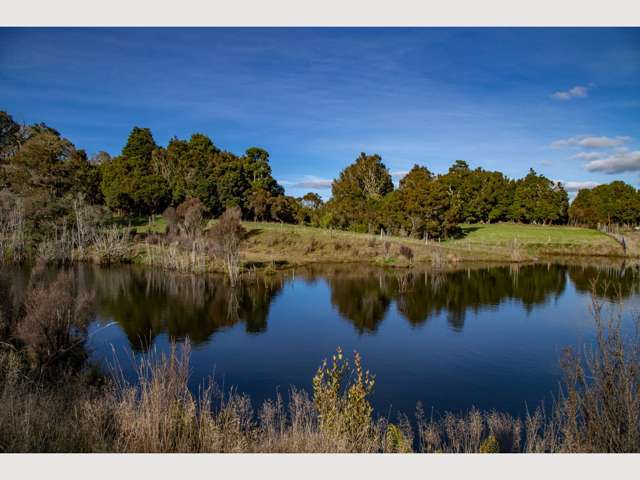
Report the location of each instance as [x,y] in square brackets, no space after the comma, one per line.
[53,329]
[342,402]
[600,407]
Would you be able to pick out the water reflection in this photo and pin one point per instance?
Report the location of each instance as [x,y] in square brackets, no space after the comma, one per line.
[422,295]
[148,303]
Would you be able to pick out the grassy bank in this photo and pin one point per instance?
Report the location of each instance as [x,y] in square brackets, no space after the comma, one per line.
[273,245]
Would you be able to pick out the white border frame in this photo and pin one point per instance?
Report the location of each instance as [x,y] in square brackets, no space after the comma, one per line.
[321,13]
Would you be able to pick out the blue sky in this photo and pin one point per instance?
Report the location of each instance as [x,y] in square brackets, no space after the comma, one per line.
[563,101]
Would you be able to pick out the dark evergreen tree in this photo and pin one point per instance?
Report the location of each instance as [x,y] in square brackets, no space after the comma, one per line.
[129,183]
[539,200]
[358,193]
[613,203]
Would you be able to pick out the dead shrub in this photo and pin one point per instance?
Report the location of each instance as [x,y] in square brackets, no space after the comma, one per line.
[190,216]
[386,248]
[54,325]
[312,246]
[227,235]
[170,216]
[340,245]
[112,246]
[406,252]
[599,410]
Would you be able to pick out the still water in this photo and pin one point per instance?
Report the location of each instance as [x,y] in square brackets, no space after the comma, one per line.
[484,337]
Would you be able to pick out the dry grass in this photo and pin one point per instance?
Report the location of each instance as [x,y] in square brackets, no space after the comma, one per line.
[296,245]
[13,234]
[111,246]
[190,256]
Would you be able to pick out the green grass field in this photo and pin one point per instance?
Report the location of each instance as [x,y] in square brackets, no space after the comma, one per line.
[504,233]
[538,239]
[149,224]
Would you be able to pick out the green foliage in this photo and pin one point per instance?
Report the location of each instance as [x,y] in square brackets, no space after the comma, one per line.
[140,145]
[420,207]
[258,171]
[396,441]
[129,184]
[428,206]
[342,400]
[539,200]
[259,203]
[616,202]
[10,136]
[146,178]
[478,195]
[310,209]
[358,193]
[366,178]
[490,445]
[44,172]
[284,209]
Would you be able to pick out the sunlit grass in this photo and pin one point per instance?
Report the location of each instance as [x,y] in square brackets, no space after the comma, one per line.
[502,232]
[299,244]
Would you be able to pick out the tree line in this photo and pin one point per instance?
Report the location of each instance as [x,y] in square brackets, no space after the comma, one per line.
[44,173]
[613,203]
[429,205]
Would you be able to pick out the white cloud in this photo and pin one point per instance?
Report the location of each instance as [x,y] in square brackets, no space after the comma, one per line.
[576,92]
[399,173]
[574,186]
[589,141]
[587,156]
[311,182]
[546,163]
[617,163]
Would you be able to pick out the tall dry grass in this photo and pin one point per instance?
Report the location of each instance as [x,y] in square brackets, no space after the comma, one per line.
[13,232]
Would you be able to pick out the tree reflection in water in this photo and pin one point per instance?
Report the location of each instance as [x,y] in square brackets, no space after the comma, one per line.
[148,303]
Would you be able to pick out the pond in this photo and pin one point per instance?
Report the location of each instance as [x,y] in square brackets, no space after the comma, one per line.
[489,337]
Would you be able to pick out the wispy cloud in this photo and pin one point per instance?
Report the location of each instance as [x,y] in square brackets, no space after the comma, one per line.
[309,181]
[399,174]
[576,92]
[590,141]
[573,186]
[619,162]
[588,156]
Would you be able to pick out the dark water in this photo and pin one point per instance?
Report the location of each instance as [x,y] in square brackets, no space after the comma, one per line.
[484,337]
